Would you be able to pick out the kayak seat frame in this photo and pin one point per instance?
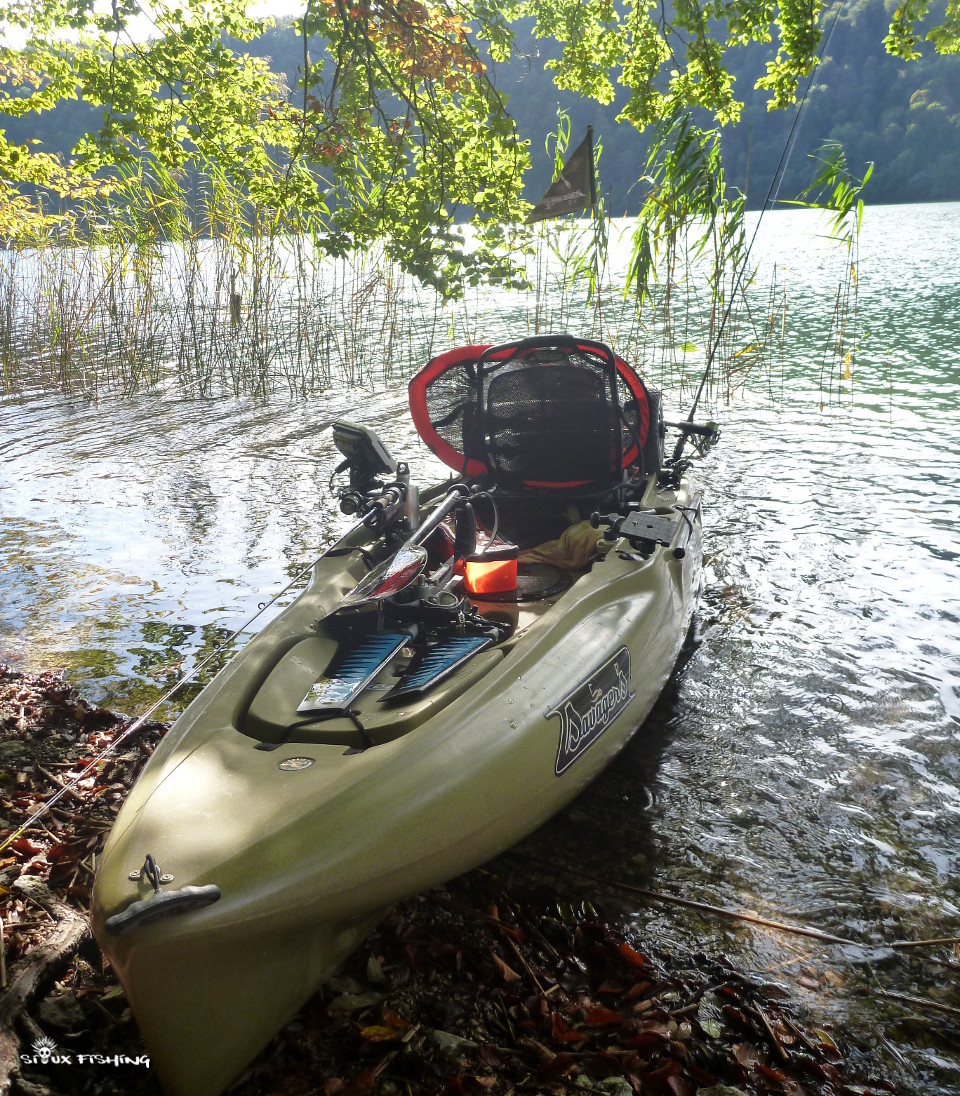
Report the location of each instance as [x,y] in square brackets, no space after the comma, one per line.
[543,423]
[548,418]
[547,413]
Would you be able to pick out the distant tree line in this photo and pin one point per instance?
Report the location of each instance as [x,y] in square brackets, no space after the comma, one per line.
[904,117]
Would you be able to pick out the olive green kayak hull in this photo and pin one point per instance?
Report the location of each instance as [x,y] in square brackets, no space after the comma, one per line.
[307,841]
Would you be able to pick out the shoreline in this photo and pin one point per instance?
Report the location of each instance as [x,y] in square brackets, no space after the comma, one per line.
[488,984]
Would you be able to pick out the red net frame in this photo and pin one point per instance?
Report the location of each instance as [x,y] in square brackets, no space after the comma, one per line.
[452,374]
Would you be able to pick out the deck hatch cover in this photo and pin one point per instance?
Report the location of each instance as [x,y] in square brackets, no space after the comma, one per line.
[438,663]
[350,672]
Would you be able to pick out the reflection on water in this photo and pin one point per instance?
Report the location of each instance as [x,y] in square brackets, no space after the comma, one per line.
[805,761]
[133,533]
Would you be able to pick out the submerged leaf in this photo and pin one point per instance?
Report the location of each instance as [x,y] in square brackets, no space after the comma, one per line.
[560,1033]
[634,958]
[602,1016]
[710,1015]
[380,1033]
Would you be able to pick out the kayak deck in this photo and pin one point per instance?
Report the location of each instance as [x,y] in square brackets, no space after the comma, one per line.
[378,712]
[388,730]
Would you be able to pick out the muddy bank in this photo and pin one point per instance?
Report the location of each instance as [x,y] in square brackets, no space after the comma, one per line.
[490,984]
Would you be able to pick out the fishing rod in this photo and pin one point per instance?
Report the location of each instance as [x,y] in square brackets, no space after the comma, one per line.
[687,428]
[371,517]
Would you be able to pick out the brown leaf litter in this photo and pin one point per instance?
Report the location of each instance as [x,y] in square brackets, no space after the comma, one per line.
[477,987]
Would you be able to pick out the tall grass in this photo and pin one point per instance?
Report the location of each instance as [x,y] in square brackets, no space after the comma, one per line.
[268,314]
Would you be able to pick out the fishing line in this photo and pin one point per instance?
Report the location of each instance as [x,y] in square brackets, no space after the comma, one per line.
[773,191]
[142,719]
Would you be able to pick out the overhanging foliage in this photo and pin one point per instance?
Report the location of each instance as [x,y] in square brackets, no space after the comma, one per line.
[395,125]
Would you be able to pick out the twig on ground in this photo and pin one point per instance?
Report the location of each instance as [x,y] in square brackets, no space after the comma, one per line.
[920,1002]
[942,941]
[774,1038]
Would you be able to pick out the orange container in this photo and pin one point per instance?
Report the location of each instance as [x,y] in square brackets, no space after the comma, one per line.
[493,571]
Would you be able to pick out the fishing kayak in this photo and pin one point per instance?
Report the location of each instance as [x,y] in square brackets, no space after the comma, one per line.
[462,663]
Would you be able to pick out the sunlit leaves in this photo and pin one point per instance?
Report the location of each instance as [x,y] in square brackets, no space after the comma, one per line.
[21,215]
[903,37]
[594,44]
[686,205]
[404,126]
[946,36]
[394,128]
[800,33]
[835,189]
[902,40]
[672,59]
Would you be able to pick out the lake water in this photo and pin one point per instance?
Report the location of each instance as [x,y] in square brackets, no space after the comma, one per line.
[804,763]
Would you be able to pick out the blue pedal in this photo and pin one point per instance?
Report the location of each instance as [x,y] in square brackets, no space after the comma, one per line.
[437,663]
[350,672]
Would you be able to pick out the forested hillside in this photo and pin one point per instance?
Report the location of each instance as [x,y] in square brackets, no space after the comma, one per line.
[904,117]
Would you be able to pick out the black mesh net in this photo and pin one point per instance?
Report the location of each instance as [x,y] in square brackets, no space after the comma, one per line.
[557,424]
[451,401]
[554,415]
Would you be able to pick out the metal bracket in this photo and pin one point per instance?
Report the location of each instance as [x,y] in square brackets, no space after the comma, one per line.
[649,526]
[151,873]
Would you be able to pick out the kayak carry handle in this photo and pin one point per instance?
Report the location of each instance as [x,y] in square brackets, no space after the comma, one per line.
[161,905]
[548,342]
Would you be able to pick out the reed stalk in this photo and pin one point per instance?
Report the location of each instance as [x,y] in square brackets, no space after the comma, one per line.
[260,310]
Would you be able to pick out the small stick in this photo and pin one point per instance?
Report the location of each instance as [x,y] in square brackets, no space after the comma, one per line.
[893,1050]
[793,962]
[526,966]
[920,1002]
[3,958]
[506,1017]
[452,903]
[706,907]
[68,789]
[800,1034]
[943,941]
[773,1035]
[737,915]
[544,942]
